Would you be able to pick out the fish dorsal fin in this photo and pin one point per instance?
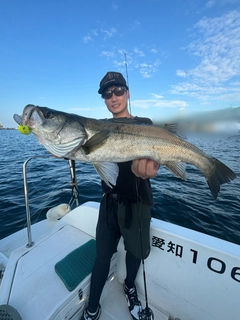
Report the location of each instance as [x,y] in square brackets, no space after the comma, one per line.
[174,128]
[96,141]
[178,168]
[108,171]
[171,127]
[61,150]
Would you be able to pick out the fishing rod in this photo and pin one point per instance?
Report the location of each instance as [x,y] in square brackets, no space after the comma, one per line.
[129,102]
[147,313]
[74,185]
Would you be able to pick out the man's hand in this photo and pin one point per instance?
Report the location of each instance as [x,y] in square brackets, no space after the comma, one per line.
[145,168]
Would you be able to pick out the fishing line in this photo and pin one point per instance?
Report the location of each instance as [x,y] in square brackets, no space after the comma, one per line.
[75,192]
[147,313]
[129,102]
[43,187]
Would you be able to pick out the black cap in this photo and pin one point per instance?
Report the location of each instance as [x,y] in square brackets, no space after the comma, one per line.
[111,79]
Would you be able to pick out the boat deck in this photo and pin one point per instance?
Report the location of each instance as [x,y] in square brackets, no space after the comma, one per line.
[113,299]
[189,275]
[36,289]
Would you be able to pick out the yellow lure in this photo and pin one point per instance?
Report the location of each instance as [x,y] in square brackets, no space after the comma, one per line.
[24,129]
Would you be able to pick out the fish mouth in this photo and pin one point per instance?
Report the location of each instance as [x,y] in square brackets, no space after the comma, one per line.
[18,119]
[29,117]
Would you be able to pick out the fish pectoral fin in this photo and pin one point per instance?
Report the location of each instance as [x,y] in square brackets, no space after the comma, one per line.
[108,171]
[96,141]
[61,150]
[178,168]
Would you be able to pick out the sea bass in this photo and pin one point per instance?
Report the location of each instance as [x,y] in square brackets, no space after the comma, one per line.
[106,143]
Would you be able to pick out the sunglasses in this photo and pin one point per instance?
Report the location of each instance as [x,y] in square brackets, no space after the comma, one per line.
[118,91]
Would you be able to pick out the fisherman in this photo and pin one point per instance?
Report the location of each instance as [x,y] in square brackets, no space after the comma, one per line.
[123,209]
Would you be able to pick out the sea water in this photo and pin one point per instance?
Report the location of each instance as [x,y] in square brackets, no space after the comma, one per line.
[186,203]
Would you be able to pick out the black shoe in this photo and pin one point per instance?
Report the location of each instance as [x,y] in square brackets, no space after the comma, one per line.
[134,304]
[87,316]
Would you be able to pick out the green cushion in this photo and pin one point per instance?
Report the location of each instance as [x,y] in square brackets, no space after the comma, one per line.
[77,265]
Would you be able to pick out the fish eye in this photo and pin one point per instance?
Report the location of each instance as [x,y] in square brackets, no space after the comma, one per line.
[48,114]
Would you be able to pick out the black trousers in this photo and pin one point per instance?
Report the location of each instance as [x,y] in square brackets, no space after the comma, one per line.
[108,233]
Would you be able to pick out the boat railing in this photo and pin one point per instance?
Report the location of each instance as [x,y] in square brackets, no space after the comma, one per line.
[74,190]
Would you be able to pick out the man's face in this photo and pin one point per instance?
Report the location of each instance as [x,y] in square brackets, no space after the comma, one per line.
[118,105]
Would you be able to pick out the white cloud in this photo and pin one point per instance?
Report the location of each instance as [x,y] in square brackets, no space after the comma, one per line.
[147,70]
[210,4]
[235,84]
[157,96]
[134,25]
[91,34]
[139,52]
[135,57]
[181,73]
[87,38]
[201,92]
[119,64]
[216,47]
[154,51]
[95,33]
[230,97]
[109,33]
[159,103]
[107,54]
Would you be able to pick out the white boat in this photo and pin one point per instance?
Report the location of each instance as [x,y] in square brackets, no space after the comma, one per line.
[46,268]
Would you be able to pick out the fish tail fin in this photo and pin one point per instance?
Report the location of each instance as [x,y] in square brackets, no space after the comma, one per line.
[219,174]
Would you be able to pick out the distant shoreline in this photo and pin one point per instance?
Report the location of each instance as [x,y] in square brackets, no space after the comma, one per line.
[8,129]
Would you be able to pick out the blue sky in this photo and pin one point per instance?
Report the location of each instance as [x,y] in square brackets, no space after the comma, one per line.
[182,55]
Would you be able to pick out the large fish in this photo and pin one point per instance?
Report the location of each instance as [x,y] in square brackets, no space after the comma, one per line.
[105,143]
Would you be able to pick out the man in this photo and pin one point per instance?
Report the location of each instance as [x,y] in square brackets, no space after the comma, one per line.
[123,208]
